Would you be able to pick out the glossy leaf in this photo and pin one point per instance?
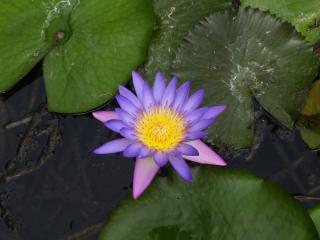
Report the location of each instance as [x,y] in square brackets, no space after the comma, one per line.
[304,15]
[176,18]
[236,56]
[309,122]
[219,204]
[91,46]
[312,107]
[315,215]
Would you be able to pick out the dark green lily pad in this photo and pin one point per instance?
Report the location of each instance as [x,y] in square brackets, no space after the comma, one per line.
[315,215]
[219,204]
[90,47]
[176,18]
[236,56]
[310,130]
[304,15]
[309,122]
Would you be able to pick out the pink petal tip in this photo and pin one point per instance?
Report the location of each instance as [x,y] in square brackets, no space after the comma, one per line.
[206,154]
[144,172]
[104,116]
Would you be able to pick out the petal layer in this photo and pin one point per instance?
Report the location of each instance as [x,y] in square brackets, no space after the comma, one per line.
[144,171]
[113,146]
[104,116]
[182,168]
[206,154]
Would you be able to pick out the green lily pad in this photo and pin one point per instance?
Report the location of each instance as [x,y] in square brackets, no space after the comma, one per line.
[90,47]
[304,15]
[315,215]
[310,130]
[309,122]
[312,106]
[219,204]
[311,138]
[176,18]
[236,56]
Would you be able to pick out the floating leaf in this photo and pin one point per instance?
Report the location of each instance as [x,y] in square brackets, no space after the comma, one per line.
[304,15]
[309,122]
[315,215]
[218,204]
[310,137]
[310,130]
[312,106]
[177,17]
[238,56]
[91,46]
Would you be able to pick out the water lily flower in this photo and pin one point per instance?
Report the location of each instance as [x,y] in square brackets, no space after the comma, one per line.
[159,126]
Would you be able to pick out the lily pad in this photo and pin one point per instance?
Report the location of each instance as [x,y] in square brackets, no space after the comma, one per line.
[236,56]
[219,204]
[176,18]
[304,15]
[315,215]
[310,130]
[90,47]
[309,122]
[312,106]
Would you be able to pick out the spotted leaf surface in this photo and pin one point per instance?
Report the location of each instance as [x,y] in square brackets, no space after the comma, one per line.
[304,15]
[176,18]
[238,56]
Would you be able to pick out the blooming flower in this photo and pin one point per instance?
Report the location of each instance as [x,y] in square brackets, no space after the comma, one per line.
[158,126]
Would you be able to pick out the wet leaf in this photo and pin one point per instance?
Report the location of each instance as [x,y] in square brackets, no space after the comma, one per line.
[304,15]
[309,122]
[90,47]
[236,56]
[310,137]
[219,204]
[176,18]
[315,215]
[312,106]
[310,130]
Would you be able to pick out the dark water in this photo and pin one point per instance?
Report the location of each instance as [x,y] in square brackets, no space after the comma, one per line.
[52,187]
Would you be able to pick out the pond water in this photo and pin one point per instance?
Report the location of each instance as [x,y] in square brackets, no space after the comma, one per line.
[52,187]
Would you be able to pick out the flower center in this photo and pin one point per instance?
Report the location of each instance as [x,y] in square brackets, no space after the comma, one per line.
[160,129]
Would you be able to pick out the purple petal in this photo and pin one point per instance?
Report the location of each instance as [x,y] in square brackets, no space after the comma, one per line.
[148,99]
[113,146]
[169,93]
[196,115]
[188,150]
[132,150]
[206,154]
[180,165]
[130,96]
[196,135]
[104,116]
[144,171]
[125,117]
[194,101]
[161,159]
[159,87]
[128,133]
[138,84]
[181,96]
[203,124]
[115,125]
[145,152]
[127,105]
[214,111]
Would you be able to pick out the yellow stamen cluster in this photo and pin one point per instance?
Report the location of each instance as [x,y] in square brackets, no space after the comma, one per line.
[160,129]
